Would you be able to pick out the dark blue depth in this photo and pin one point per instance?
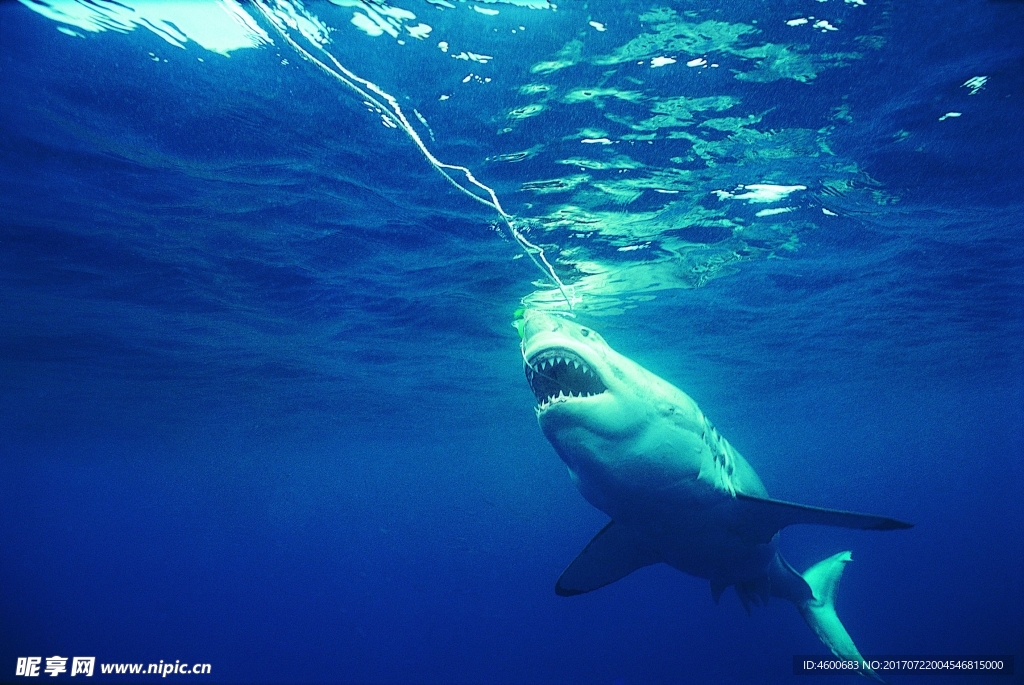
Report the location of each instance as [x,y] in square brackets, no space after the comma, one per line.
[261,405]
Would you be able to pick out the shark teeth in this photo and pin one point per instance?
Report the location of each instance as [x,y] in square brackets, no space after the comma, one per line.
[561,375]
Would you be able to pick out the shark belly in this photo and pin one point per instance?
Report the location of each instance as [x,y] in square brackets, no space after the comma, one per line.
[673,488]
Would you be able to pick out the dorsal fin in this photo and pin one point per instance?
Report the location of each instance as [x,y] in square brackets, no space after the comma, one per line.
[612,554]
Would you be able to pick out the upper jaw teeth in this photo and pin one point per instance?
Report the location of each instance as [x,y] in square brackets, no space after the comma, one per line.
[551,362]
[559,377]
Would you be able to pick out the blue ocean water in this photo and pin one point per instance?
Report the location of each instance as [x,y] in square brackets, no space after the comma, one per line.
[262,406]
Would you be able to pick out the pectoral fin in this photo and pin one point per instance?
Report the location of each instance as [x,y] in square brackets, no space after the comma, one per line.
[764,517]
[612,554]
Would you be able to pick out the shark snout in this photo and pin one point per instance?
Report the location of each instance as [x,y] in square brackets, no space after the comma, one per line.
[540,331]
[538,323]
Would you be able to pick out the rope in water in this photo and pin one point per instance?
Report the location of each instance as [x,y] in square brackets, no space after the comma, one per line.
[393,114]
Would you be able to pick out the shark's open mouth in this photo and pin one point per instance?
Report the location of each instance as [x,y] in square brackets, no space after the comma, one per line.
[558,372]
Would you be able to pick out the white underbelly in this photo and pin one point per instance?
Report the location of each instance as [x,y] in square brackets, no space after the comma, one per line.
[689,519]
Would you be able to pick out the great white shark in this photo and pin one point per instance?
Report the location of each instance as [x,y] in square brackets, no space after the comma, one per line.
[640,450]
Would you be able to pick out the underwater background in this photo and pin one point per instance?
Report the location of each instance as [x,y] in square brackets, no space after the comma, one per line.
[261,404]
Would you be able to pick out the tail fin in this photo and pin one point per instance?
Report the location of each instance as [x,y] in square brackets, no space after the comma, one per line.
[820,612]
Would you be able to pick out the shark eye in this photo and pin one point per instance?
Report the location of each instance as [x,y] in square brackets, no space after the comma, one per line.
[584,332]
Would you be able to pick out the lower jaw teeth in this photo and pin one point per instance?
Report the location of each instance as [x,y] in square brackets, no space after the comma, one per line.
[563,396]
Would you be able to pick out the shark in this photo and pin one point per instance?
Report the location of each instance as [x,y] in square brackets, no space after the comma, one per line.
[641,450]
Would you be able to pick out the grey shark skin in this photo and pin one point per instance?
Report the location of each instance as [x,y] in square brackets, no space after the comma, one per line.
[640,450]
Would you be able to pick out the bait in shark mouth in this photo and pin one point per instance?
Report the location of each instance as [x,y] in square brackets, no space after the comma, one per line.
[640,450]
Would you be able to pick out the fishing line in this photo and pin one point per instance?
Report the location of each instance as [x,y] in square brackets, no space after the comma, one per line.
[393,115]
